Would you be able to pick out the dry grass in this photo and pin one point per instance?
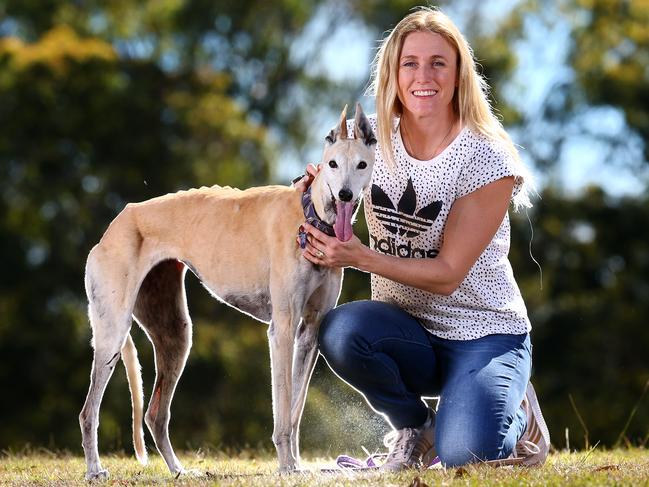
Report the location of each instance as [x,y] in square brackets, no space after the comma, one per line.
[617,467]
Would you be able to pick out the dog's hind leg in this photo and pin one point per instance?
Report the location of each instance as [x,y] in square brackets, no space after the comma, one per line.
[134,377]
[109,333]
[161,309]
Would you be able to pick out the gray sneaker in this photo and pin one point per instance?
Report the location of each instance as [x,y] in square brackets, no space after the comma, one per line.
[534,445]
[411,447]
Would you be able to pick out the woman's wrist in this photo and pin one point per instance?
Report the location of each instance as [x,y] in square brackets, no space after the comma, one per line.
[365,259]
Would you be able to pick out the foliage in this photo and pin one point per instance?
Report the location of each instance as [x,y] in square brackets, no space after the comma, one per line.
[587,310]
[611,49]
[84,131]
[595,77]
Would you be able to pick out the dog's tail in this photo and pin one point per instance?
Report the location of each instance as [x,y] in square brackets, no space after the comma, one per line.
[134,375]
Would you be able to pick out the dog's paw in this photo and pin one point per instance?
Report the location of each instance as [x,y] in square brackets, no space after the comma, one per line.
[98,475]
[287,470]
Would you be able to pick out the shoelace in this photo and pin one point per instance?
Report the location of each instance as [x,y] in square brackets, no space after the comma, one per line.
[347,462]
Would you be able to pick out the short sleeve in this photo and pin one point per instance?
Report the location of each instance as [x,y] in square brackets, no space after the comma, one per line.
[488,163]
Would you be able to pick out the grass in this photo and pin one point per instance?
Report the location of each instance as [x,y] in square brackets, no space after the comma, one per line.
[251,469]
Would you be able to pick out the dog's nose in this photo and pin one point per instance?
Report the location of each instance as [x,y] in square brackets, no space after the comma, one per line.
[345,195]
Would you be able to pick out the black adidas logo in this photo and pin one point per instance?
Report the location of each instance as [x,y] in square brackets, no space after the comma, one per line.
[404,219]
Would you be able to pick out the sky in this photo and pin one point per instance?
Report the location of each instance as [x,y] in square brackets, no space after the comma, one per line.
[541,64]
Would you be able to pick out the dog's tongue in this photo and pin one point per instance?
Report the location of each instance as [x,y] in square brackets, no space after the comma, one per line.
[343,225]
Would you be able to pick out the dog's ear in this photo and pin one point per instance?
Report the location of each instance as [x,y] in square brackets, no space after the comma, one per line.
[362,128]
[340,132]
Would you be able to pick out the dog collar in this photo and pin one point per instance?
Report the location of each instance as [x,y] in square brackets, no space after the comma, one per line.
[312,218]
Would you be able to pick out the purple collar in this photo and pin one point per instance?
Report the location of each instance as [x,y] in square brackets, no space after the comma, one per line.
[313,219]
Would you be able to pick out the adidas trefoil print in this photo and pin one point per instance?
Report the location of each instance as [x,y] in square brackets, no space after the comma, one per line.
[403,220]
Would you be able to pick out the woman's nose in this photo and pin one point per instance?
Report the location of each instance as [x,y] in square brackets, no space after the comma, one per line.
[424,73]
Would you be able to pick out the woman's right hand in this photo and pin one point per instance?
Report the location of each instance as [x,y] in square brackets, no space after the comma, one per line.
[311,172]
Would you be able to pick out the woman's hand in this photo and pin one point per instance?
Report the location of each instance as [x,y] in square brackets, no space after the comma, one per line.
[321,249]
[311,172]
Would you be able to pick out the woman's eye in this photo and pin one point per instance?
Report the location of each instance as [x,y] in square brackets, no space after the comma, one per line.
[362,165]
[333,165]
[409,64]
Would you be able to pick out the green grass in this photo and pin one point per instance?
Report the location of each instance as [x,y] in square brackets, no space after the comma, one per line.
[251,469]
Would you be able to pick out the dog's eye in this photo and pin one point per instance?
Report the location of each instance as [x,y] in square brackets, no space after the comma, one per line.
[362,165]
[333,165]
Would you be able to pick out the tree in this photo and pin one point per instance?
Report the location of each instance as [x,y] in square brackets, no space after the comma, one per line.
[587,304]
[84,132]
[588,60]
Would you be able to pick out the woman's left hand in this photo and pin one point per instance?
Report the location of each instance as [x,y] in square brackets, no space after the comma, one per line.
[321,249]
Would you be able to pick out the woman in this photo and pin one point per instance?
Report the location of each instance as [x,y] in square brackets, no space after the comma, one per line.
[446,317]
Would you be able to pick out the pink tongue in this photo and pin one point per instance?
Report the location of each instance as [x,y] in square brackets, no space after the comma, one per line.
[343,225]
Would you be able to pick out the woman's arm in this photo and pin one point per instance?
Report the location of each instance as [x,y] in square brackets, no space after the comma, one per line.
[471,225]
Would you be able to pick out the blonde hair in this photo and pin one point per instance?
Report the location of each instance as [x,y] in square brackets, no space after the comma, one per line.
[470,101]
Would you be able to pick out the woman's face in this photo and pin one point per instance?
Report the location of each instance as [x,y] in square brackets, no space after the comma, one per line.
[427,74]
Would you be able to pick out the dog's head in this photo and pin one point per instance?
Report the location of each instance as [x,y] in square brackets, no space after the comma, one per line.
[347,165]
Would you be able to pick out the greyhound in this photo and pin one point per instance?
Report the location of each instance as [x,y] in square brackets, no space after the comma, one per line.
[137,270]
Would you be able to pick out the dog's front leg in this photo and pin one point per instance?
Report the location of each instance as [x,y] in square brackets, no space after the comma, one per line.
[306,349]
[280,338]
[304,358]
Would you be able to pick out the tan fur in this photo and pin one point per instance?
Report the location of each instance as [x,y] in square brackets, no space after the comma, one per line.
[134,377]
[241,245]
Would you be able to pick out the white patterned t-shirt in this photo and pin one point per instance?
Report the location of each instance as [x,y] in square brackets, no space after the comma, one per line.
[406,210]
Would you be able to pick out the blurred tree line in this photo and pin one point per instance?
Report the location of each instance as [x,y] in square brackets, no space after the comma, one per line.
[102,103]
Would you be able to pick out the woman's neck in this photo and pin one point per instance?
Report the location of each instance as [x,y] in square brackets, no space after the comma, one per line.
[426,137]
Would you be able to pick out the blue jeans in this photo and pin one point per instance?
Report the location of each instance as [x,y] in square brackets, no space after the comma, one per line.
[389,357]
